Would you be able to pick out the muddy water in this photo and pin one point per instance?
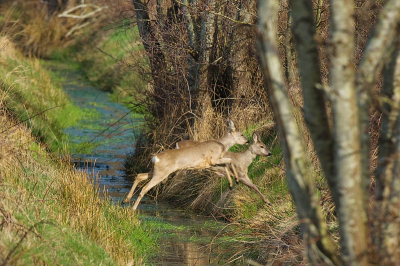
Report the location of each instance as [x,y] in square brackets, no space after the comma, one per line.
[102,141]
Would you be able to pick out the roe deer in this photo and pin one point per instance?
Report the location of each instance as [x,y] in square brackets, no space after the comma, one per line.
[203,155]
[241,161]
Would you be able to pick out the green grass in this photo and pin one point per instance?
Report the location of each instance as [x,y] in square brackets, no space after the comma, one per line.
[33,97]
[60,212]
[50,242]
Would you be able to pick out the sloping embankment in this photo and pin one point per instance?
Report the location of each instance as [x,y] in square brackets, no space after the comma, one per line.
[49,212]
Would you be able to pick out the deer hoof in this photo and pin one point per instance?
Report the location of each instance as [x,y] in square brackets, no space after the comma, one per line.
[230,187]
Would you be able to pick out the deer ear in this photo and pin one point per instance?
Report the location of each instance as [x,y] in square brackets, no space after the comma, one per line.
[231,125]
[255,137]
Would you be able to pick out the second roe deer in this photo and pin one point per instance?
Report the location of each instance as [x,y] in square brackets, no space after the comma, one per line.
[203,155]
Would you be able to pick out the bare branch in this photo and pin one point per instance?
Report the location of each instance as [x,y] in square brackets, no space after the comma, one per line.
[67,13]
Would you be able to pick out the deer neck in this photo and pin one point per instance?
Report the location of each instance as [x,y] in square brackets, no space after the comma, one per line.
[250,153]
[227,141]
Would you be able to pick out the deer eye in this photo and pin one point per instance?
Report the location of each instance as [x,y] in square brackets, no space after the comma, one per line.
[262,147]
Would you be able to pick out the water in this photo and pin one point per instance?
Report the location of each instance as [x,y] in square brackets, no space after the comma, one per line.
[102,140]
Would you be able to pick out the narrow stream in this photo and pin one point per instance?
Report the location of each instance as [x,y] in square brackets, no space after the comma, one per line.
[102,140]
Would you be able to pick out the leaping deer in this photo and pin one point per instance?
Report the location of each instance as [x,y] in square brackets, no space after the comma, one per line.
[241,161]
[200,156]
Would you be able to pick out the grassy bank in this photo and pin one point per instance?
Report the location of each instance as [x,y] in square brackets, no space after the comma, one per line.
[49,212]
[32,97]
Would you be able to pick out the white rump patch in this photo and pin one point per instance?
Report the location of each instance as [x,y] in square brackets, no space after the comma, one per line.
[155,159]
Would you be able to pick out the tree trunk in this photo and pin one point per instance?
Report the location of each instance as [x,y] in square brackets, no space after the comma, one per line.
[193,51]
[320,248]
[203,77]
[239,47]
[155,54]
[351,211]
[377,53]
[388,170]
[315,113]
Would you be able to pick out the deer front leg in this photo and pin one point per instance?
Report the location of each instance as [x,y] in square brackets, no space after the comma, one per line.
[153,182]
[246,180]
[138,179]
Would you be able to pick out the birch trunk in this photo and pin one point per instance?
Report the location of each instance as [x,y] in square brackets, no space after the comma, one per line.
[320,248]
[377,52]
[315,113]
[347,159]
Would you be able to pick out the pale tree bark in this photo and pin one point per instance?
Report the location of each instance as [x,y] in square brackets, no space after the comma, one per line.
[349,175]
[315,114]
[347,159]
[320,248]
[377,52]
[389,169]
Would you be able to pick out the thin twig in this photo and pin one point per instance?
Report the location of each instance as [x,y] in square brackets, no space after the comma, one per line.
[23,121]
[265,160]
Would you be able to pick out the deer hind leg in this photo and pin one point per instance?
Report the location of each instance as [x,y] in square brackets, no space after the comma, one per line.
[153,182]
[138,179]
[227,161]
[229,177]
[246,180]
